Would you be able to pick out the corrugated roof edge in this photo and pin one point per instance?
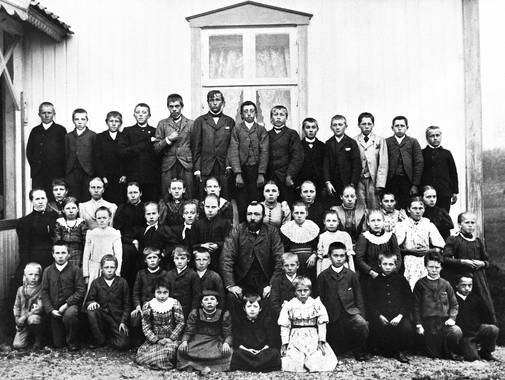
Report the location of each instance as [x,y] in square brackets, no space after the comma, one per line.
[50,15]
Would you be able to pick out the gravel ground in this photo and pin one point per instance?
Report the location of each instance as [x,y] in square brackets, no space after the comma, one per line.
[107,364]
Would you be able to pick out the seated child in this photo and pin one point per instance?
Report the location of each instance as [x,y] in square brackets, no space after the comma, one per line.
[210,279]
[276,213]
[109,307]
[340,293]
[185,284]
[392,216]
[389,309]
[183,231]
[171,210]
[60,192]
[329,236]
[29,313]
[63,291]
[162,324]
[253,339]
[225,208]
[465,253]
[303,332]
[206,344]
[435,311]
[476,323]
[437,215]
[351,216]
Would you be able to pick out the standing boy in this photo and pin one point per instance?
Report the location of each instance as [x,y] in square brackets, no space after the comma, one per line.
[285,154]
[210,279]
[342,162]
[405,163]
[109,306]
[374,160]
[211,138]
[173,144]
[45,150]
[248,158]
[313,156]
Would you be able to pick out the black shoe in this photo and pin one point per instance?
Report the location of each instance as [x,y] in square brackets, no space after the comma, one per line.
[94,346]
[361,357]
[74,348]
[402,358]
[455,357]
[486,355]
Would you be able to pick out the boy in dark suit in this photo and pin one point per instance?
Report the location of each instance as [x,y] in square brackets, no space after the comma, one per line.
[313,156]
[282,284]
[342,161]
[405,160]
[210,279]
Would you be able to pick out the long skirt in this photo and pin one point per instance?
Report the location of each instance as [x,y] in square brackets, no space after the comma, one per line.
[204,351]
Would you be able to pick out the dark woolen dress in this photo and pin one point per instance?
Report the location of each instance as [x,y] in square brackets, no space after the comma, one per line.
[441,219]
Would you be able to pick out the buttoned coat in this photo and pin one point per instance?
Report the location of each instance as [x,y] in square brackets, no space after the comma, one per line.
[285,154]
[241,140]
[374,153]
[440,171]
[72,285]
[211,142]
[47,146]
[241,247]
[81,148]
[313,161]
[114,299]
[342,162]
[180,149]
[282,290]
[412,157]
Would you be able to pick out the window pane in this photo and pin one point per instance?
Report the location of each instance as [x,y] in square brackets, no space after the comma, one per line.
[272,56]
[226,57]
[266,99]
[233,100]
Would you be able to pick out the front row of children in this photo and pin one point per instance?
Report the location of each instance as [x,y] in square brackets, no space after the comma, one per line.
[202,339]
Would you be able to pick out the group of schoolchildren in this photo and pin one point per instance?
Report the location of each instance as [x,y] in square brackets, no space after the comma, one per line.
[356,238]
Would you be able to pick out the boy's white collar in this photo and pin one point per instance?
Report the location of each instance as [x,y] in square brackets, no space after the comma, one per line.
[338,270]
[61,267]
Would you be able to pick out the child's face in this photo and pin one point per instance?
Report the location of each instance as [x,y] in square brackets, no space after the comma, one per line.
[211,207]
[39,200]
[180,261]
[376,222]
[102,219]
[308,193]
[290,266]
[133,193]
[216,103]
[271,193]
[465,286]
[349,198]
[202,261]
[338,126]
[299,214]
[338,257]
[433,268]
[189,214]
[212,187]
[151,214]
[310,129]
[468,225]
[109,270]
[388,265]
[32,276]
[46,114]
[252,309]
[177,189]
[434,137]
[366,126]
[416,210]
[279,118]
[70,210]
[96,189]
[80,121]
[209,303]
[60,254]
[113,123]
[302,292]
[331,222]
[161,294]
[248,113]
[430,198]
[400,128]
[153,261]
[141,115]
[388,203]
[59,193]
[175,109]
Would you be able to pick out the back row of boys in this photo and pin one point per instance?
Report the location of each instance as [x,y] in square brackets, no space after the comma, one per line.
[213,146]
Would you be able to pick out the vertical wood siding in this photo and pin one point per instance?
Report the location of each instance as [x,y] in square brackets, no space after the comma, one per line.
[8,260]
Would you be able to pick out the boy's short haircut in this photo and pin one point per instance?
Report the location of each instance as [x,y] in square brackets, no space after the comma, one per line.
[211,196]
[461,217]
[172,98]
[114,114]
[30,194]
[375,211]
[464,275]
[248,103]
[46,104]
[151,251]
[202,251]
[59,243]
[310,120]
[133,183]
[302,281]
[59,182]
[79,110]
[251,298]
[271,182]
[338,117]
[382,195]
[300,203]
[399,117]
[96,179]
[433,256]
[151,203]
[145,106]
[289,256]
[365,114]
[276,108]
[180,250]
[108,257]
[387,255]
[350,186]
[103,208]
[207,293]
[68,200]
[161,282]
[335,246]
[211,94]
[191,202]
[432,128]
[330,212]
